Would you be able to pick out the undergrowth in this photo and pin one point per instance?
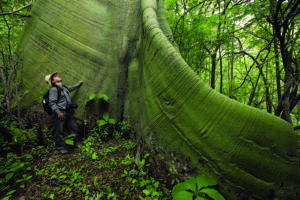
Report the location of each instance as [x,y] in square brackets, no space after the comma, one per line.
[102,168]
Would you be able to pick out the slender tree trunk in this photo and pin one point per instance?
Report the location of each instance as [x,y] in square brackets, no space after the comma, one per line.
[221,72]
[215,52]
[231,74]
[228,76]
[6,91]
[213,70]
[209,71]
[268,100]
[16,79]
[278,77]
[253,91]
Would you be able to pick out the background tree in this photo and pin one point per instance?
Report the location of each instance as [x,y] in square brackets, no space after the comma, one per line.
[242,35]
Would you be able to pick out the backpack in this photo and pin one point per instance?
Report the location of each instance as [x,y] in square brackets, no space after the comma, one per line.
[45,100]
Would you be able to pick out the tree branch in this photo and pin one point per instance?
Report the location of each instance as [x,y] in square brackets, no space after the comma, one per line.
[254,60]
[9,113]
[186,12]
[18,10]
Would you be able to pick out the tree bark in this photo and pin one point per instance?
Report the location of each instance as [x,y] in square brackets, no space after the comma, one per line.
[213,70]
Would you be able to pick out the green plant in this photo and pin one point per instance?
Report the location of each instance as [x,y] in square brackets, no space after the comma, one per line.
[103,125]
[99,96]
[129,145]
[123,130]
[196,189]
[12,169]
[172,174]
[8,195]
[117,135]
[86,150]
[70,139]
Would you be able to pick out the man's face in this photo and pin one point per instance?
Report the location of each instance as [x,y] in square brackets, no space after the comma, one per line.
[56,80]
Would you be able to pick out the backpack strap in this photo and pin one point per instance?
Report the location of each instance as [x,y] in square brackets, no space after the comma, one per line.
[59,90]
[64,86]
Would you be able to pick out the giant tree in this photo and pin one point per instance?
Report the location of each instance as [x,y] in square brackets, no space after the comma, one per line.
[125,49]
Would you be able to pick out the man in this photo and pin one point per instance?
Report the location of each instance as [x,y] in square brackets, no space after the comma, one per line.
[62,110]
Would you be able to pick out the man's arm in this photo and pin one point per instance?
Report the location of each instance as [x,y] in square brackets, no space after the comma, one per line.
[53,99]
[74,87]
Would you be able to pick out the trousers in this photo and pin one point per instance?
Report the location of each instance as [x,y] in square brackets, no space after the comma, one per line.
[69,124]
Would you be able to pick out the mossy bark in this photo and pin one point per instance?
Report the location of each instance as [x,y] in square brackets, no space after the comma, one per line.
[124,48]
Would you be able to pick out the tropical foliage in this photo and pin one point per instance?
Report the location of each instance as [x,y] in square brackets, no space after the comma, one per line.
[247,50]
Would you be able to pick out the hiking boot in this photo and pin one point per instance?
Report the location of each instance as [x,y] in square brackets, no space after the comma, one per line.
[63,151]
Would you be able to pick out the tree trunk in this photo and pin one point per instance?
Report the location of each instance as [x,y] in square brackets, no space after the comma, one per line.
[213,70]
[286,114]
[124,49]
[221,72]
[278,76]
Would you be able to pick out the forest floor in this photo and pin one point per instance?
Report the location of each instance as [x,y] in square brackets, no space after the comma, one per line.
[95,170]
[99,169]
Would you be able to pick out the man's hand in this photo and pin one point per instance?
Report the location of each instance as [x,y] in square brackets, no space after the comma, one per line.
[80,82]
[61,116]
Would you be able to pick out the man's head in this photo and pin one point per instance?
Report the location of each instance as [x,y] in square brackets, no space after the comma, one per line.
[53,79]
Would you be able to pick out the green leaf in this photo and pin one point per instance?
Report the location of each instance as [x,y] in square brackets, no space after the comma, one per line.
[28,156]
[204,181]
[104,97]
[183,195]
[200,198]
[155,193]
[101,122]
[213,193]
[105,116]
[69,141]
[111,121]
[146,192]
[187,185]
[11,155]
[94,156]
[3,171]
[10,192]
[156,184]
[89,98]
[8,176]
